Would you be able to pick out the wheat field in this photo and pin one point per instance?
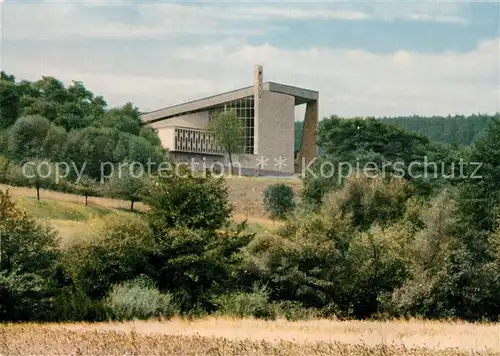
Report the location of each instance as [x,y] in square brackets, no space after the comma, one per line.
[224,336]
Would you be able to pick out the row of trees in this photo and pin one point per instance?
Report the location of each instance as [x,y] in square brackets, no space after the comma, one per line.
[125,181]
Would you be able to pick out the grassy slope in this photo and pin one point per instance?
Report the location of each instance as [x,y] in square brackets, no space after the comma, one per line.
[75,221]
[245,193]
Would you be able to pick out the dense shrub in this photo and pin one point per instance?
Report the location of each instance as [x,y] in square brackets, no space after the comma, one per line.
[139,299]
[293,311]
[28,256]
[278,200]
[193,265]
[342,257]
[4,169]
[241,304]
[118,253]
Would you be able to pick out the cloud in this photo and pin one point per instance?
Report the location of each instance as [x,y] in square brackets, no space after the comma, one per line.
[64,20]
[151,63]
[125,19]
[291,13]
[443,18]
[350,82]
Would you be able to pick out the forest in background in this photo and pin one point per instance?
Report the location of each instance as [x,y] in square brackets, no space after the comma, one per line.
[454,130]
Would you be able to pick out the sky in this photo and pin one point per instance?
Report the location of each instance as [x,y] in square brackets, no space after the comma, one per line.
[365,58]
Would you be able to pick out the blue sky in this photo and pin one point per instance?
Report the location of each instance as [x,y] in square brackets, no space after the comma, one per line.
[365,58]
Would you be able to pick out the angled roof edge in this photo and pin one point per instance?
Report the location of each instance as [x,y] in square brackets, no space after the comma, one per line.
[301,96]
[196,105]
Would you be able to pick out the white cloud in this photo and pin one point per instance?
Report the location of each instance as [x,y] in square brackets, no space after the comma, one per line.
[63,20]
[73,19]
[166,72]
[438,18]
[350,82]
[272,13]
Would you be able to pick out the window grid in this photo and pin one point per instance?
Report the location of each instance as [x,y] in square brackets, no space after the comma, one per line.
[245,110]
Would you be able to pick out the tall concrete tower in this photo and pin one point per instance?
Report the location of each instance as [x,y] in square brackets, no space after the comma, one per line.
[257,95]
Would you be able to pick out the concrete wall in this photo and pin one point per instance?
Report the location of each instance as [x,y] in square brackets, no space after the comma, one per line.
[309,148]
[198,120]
[276,129]
[167,137]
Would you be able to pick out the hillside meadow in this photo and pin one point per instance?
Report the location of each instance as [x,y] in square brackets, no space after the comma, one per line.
[73,220]
[245,193]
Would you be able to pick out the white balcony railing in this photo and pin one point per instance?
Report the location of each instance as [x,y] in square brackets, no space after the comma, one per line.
[195,141]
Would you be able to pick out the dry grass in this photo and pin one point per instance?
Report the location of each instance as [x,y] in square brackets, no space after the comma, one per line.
[252,337]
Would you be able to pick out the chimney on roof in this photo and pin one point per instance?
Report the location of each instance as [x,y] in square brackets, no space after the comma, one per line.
[257,82]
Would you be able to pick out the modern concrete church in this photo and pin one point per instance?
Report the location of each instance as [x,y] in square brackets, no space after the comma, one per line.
[268,114]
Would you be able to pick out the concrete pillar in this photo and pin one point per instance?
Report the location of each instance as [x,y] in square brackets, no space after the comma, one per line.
[308,150]
[257,94]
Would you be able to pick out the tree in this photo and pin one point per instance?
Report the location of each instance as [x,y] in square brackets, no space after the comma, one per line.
[54,144]
[86,186]
[479,194]
[93,148]
[9,102]
[197,255]
[187,199]
[39,174]
[278,200]
[229,133]
[367,145]
[127,183]
[27,137]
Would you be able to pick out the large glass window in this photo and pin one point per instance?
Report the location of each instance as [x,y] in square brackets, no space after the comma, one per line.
[245,110]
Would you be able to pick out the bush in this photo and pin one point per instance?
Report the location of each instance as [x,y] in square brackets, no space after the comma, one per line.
[278,200]
[119,252]
[342,256]
[194,265]
[72,304]
[139,299]
[240,304]
[28,256]
[292,310]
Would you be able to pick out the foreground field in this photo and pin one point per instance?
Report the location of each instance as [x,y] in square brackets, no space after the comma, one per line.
[252,337]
